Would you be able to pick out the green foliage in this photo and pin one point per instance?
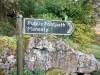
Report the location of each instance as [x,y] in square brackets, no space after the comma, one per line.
[6,41]
[74,45]
[79,12]
[49,16]
[27,72]
[95,49]
[5,29]
[10,42]
[96,73]
[83,34]
[26,7]
[8,11]
[39,71]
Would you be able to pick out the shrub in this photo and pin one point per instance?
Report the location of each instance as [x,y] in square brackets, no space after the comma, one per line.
[6,30]
[83,35]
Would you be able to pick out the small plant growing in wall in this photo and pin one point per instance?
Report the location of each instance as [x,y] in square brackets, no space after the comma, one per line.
[39,71]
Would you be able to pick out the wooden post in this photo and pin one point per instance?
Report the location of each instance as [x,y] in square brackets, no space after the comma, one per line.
[19,45]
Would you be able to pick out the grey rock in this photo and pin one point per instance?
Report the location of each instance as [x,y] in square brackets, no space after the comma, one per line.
[11,59]
[42,51]
[6,61]
[7,65]
[73,73]
[0,60]
[4,52]
[1,64]
[87,74]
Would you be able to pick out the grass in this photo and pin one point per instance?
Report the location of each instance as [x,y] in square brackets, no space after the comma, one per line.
[95,50]
[73,45]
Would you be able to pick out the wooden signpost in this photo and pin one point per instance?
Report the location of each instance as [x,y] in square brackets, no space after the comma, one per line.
[38,26]
[19,45]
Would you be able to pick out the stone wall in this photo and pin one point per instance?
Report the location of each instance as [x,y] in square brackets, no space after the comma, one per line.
[7,62]
[50,52]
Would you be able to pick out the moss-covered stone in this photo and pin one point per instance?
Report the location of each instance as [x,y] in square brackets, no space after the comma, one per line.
[25,42]
[2,72]
[56,72]
[6,41]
